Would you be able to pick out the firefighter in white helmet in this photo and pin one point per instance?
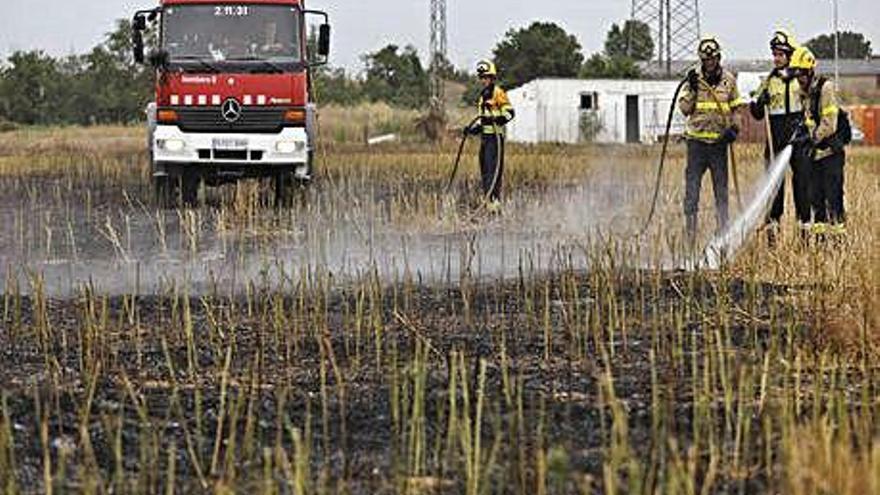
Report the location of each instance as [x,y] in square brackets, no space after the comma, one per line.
[495,113]
[709,101]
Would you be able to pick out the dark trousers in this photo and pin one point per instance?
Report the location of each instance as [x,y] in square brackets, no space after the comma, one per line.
[828,183]
[800,182]
[701,157]
[492,158]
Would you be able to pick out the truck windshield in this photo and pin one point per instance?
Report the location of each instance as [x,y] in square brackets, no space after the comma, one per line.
[228,33]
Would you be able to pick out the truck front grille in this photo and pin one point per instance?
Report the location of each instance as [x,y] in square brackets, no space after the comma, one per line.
[210,119]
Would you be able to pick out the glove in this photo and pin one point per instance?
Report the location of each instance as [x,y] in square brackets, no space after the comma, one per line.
[801,136]
[804,147]
[729,135]
[763,99]
[693,78]
[472,130]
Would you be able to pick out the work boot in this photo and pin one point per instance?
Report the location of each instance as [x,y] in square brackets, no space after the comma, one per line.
[494,206]
[837,234]
[820,232]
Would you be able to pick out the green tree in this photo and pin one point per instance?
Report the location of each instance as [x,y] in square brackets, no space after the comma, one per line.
[111,87]
[633,40]
[332,85]
[541,50]
[396,77]
[852,45]
[103,86]
[623,48]
[34,89]
[601,66]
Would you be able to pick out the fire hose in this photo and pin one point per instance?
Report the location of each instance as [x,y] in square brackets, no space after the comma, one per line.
[457,162]
[664,152]
[662,164]
[498,157]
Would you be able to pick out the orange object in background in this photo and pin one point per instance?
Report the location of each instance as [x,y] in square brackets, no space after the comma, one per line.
[867,118]
[869,126]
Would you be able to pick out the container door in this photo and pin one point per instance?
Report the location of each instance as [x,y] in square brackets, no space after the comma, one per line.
[633,125]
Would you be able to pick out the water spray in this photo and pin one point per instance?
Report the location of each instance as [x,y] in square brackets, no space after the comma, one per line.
[727,244]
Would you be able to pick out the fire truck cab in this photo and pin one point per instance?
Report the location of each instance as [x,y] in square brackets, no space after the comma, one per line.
[234,94]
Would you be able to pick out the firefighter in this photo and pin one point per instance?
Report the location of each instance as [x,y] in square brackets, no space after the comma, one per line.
[495,112]
[709,101]
[825,147]
[779,95]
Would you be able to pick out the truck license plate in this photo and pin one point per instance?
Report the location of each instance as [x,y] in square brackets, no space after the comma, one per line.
[230,144]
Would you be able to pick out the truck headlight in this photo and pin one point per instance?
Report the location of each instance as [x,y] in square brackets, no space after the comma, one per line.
[172,145]
[287,147]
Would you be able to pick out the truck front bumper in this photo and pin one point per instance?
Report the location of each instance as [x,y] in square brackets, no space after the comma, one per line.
[171,146]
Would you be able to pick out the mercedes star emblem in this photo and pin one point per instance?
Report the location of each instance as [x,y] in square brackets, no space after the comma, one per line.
[231,110]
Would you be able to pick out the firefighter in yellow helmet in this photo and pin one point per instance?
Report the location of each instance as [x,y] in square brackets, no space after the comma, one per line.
[824,137]
[778,99]
[709,101]
[495,113]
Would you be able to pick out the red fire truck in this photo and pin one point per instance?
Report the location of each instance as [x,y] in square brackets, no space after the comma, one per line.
[234,94]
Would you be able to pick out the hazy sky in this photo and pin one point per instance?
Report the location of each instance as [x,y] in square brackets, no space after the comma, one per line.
[65,26]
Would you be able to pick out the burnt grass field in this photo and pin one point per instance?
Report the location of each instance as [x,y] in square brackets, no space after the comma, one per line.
[237,347]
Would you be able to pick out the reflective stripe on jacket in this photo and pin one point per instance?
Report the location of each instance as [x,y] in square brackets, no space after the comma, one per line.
[496,106]
[708,118]
[824,125]
[784,96]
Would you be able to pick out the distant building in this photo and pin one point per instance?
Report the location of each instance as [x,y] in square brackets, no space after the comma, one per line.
[592,110]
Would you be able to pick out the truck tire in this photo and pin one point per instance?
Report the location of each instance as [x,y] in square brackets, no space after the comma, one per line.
[189,187]
[165,191]
[283,182]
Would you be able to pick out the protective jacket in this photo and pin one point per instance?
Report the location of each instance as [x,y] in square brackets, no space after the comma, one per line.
[709,110]
[495,110]
[785,107]
[820,115]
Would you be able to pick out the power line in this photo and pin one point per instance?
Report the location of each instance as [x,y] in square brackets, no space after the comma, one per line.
[438,50]
[675,27]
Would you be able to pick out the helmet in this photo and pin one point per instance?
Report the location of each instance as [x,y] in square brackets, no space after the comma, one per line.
[783,41]
[802,59]
[486,68]
[709,48]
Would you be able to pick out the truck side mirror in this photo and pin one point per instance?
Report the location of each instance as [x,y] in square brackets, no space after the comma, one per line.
[137,41]
[138,25]
[324,40]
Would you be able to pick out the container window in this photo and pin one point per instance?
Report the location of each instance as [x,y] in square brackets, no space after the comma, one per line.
[589,101]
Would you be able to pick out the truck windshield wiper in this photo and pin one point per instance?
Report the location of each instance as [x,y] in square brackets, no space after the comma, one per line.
[195,58]
[268,63]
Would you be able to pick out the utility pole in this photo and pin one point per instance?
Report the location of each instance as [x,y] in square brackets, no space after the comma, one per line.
[836,45]
[433,123]
[675,27]
[438,51]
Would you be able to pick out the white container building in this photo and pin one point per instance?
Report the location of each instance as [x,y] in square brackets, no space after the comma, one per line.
[592,110]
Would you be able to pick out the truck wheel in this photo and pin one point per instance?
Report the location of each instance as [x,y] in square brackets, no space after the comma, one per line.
[283,182]
[189,187]
[164,191]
